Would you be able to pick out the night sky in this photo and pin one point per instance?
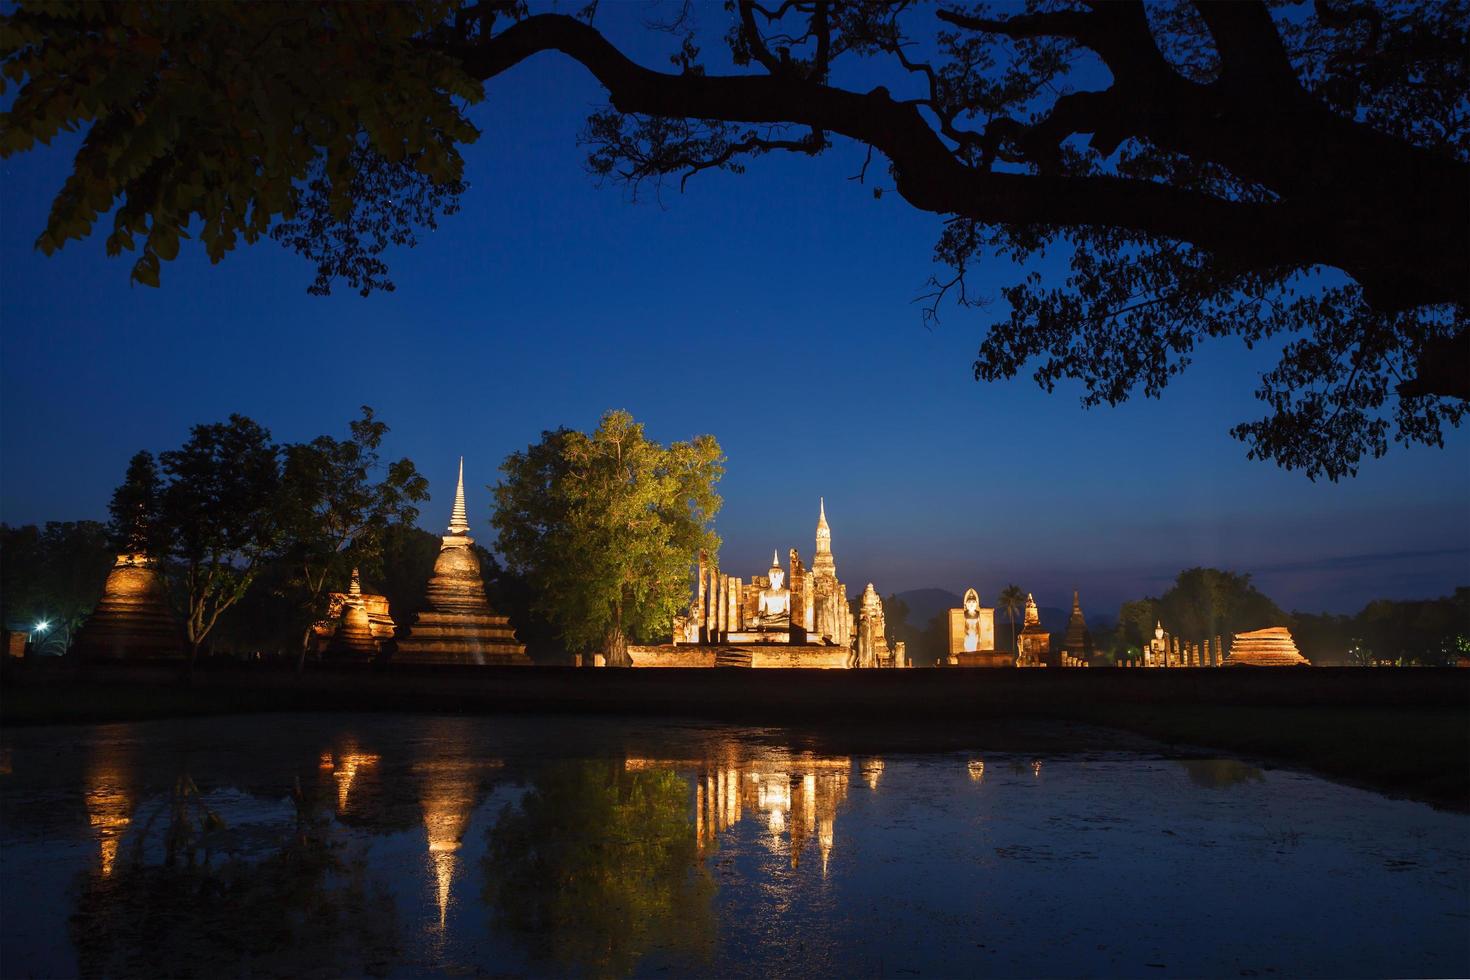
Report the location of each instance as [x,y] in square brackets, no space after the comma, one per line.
[773,309]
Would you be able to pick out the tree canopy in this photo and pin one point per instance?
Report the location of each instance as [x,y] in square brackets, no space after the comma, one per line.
[605,525]
[1290,174]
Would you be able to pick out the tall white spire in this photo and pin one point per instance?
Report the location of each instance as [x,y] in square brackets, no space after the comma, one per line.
[459,523]
[775,561]
[824,533]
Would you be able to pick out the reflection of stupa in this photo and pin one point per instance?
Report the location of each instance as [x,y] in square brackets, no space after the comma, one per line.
[448,800]
[344,767]
[458,627]
[109,804]
[132,619]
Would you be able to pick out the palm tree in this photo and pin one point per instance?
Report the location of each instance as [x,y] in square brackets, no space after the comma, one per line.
[1012,600]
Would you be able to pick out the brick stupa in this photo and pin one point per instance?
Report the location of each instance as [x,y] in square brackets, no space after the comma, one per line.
[459,627]
[132,620]
[353,639]
[1270,647]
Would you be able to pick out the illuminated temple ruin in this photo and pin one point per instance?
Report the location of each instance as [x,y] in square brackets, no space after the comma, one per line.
[1270,647]
[791,616]
[459,627]
[972,635]
[358,626]
[132,620]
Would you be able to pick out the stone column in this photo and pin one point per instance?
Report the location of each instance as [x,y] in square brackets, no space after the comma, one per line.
[722,606]
[709,613]
[697,613]
[732,605]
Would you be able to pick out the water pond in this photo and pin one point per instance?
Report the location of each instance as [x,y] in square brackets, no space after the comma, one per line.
[298,845]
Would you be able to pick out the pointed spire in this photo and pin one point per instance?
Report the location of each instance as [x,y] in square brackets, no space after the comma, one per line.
[821,512]
[458,522]
[1076,603]
[775,561]
[355,589]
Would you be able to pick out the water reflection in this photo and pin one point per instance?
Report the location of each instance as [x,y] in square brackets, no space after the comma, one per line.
[797,800]
[109,801]
[1220,773]
[596,866]
[530,847]
[448,796]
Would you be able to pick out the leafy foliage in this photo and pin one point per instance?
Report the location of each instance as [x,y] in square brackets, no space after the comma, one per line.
[52,574]
[1294,177]
[218,120]
[604,527]
[338,500]
[221,516]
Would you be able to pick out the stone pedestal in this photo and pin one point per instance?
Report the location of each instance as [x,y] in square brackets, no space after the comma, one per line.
[132,620]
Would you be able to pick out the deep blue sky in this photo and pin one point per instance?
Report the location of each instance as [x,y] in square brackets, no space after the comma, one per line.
[772,309]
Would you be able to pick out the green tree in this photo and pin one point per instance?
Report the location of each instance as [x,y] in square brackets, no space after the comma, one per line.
[1013,602]
[53,575]
[338,500]
[135,507]
[1206,602]
[221,515]
[1262,171]
[1136,622]
[604,527]
[598,866]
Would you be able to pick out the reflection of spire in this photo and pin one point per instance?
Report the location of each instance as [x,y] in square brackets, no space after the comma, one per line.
[448,799]
[459,523]
[977,770]
[345,771]
[872,771]
[109,806]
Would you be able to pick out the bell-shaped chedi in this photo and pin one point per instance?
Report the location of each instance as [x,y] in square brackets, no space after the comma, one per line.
[459,627]
[132,620]
[353,639]
[1270,647]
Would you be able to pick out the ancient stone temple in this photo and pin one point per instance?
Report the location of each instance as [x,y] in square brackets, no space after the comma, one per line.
[1270,647]
[1033,643]
[872,632]
[972,635]
[791,616]
[459,627]
[132,620]
[1078,641]
[358,625]
[353,638]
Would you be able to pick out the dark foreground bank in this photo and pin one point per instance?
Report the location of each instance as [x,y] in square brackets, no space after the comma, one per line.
[1405,732]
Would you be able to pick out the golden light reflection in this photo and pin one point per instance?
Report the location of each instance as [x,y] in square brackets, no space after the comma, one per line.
[872,772]
[977,770]
[795,799]
[344,769]
[448,802]
[1036,768]
[109,804]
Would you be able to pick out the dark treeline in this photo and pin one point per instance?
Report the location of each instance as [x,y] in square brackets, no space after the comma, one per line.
[252,537]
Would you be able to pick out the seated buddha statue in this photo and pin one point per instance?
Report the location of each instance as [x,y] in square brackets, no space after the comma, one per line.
[773,609]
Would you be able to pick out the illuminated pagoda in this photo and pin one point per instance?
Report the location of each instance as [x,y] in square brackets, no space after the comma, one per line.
[132,620]
[458,626]
[1033,643]
[1270,647]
